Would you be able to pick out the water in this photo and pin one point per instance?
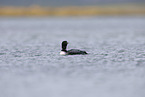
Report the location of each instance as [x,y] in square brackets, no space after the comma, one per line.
[30,64]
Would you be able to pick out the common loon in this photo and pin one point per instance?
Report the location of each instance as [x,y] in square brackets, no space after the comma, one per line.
[72,51]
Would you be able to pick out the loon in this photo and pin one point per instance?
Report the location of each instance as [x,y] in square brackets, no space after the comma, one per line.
[72,51]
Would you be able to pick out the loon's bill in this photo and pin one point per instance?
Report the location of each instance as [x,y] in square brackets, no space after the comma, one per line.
[72,51]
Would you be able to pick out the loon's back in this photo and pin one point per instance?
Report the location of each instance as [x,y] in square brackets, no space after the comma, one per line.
[76,51]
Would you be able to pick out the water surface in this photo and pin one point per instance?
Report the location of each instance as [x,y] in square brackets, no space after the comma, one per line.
[30,64]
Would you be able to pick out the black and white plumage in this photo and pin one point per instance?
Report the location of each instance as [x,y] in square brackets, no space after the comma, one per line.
[72,51]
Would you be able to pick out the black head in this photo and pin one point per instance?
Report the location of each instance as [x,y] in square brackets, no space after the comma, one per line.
[64,45]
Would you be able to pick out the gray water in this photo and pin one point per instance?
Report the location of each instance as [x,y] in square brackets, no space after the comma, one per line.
[30,64]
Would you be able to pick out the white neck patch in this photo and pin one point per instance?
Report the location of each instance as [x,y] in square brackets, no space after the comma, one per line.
[63,53]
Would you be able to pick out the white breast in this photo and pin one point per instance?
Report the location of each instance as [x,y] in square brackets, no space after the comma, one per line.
[63,53]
